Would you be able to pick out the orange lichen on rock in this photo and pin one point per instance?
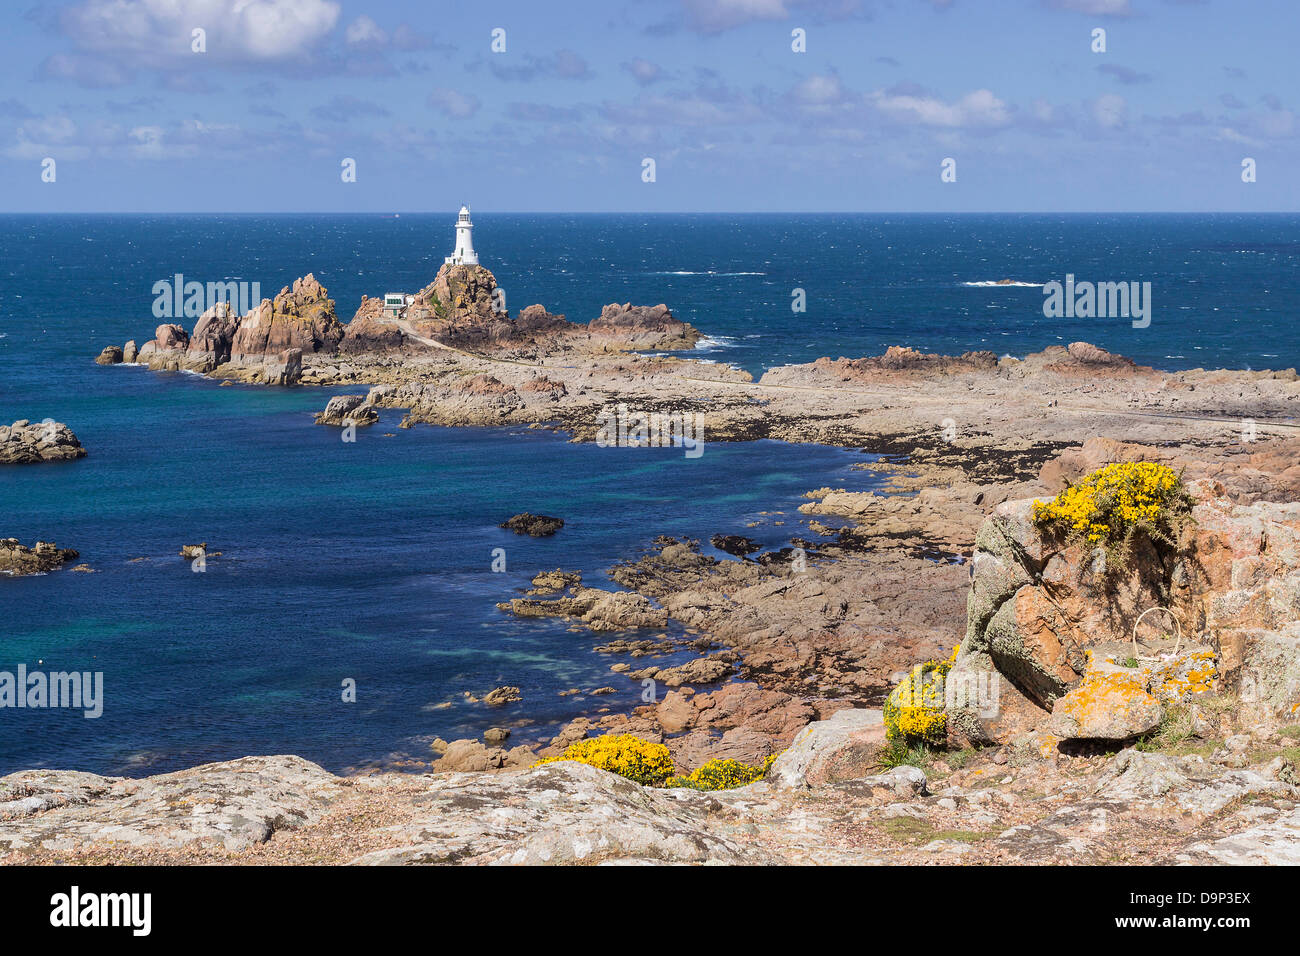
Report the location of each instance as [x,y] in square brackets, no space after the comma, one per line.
[1110,703]
[1174,679]
[1117,702]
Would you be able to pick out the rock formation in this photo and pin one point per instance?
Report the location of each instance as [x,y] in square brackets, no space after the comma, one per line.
[300,317]
[296,336]
[538,526]
[371,331]
[1060,631]
[26,442]
[343,410]
[265,346]
[214,334]
[643,327]
[17,560]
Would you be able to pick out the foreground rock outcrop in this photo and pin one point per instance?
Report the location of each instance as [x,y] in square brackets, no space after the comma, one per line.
[825,804]
[1063,634]
[27,442]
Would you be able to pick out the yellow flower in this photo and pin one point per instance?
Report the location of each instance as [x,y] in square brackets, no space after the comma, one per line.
[914,710]
[624,754]
[1106,506]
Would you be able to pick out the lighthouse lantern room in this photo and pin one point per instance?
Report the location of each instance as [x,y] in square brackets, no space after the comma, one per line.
[464,254]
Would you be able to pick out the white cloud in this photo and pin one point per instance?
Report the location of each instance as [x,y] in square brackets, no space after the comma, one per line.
[643,71]
[1110,111]
[160,31]
[49,129]
[365,32]
[979,108]
[1111,8]
[1229,135]
[820,89]
[147,142]
[1042,110]
[715,16]
[453,103]
[1278,123]
[89,71]
[690,110]
[43,136]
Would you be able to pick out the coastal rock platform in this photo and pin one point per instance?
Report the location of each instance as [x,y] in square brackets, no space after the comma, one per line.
[1134,807]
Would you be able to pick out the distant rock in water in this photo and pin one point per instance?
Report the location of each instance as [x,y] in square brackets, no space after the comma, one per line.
[508,694]
[343,410]
[734,544]
[553,582]
[15,559]
[26,442]
[539,526]
[296,337]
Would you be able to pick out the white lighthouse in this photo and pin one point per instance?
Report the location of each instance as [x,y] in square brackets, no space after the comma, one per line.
[464,254]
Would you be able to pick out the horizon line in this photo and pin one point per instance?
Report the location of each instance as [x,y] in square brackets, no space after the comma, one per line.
[659,212]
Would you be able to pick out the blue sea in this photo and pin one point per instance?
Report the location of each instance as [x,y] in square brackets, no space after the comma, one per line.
[372,561]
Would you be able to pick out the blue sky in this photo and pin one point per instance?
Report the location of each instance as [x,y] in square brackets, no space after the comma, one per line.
[734,119]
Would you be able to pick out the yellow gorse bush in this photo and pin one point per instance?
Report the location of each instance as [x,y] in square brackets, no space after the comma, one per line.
[723,775]
[652,766]
[624,754]
[914,710]
[1109,505]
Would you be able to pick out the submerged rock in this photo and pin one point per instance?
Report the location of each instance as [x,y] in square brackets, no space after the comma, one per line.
[735,544]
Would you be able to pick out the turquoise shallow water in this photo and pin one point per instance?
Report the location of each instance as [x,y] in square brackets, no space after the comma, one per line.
[372,561]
